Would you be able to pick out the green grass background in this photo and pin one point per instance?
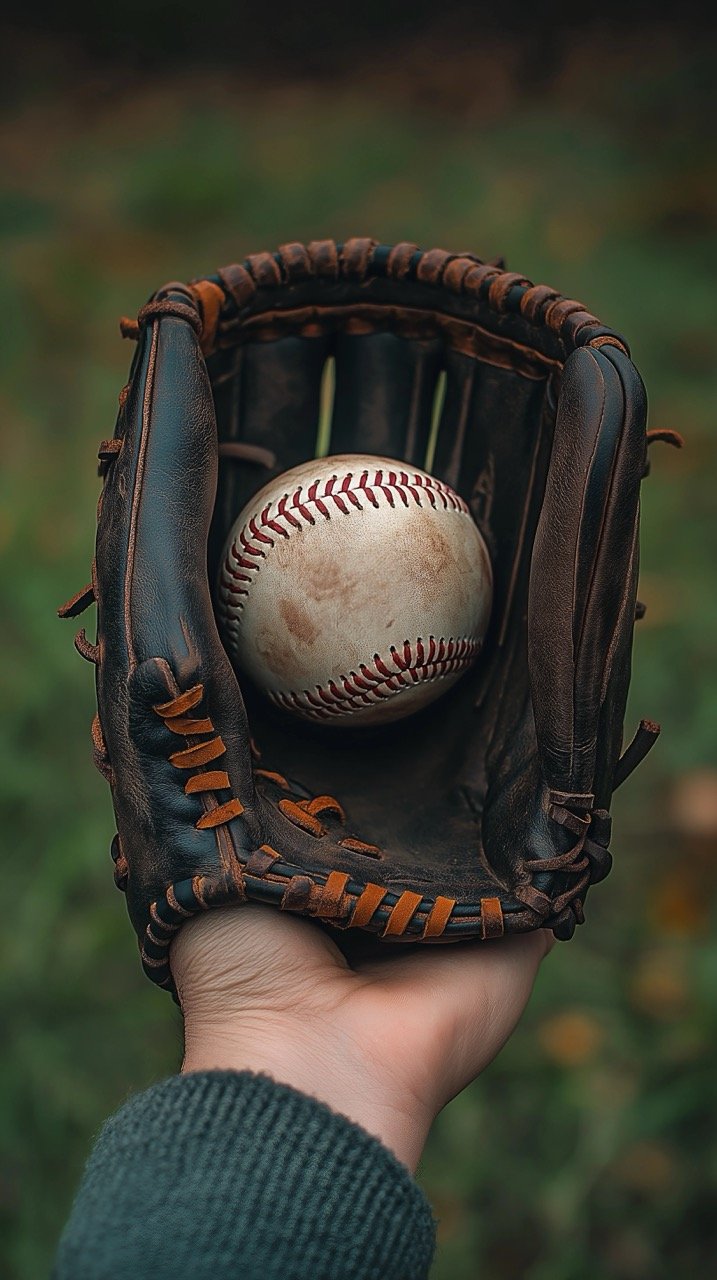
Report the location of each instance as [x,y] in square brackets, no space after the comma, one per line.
[587,1151]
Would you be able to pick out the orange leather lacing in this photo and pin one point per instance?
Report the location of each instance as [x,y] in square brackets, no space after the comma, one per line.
[306,814]
[196,755]
[271,775]
[333,901]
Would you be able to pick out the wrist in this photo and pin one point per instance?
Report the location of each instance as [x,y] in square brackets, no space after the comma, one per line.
[335,1074]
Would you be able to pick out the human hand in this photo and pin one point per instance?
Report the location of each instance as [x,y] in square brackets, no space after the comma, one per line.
[385,1035]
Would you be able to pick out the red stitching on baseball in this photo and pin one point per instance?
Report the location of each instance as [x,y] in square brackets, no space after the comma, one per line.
[375,686]
[295,509]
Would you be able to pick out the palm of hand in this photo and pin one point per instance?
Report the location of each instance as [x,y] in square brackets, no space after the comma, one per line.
[384,1034]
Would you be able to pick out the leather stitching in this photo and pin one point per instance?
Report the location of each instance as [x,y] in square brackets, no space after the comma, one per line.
[377,680]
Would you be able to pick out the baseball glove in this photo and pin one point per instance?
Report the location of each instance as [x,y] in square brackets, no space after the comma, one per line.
[486,813]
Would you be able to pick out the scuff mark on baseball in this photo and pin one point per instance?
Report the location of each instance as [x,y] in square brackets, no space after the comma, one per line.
[354,590]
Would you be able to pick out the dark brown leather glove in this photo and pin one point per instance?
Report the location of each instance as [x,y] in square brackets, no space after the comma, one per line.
[485,813]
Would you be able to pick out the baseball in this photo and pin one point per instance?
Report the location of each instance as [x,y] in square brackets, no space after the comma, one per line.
[354,590]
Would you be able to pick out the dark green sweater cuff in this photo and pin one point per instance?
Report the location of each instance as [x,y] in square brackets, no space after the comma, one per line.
[227,1174]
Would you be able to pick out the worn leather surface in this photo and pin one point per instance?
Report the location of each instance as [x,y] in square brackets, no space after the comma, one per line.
[495,799]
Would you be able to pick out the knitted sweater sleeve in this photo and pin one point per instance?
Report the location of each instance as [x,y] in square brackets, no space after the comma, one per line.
[225,1175]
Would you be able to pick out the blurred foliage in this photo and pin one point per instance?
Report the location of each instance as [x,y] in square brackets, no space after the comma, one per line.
[588,1149]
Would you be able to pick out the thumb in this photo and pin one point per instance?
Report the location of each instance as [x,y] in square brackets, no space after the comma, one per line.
[469,999]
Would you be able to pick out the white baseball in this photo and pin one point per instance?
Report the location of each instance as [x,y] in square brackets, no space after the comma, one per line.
[354,589]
